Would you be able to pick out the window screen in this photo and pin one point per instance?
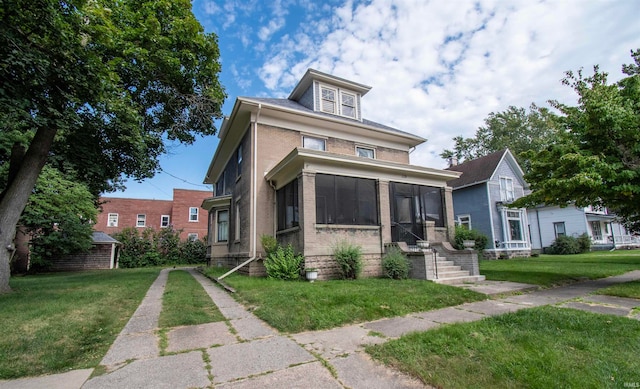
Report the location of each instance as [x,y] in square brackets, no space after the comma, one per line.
[346,200]
[287,202]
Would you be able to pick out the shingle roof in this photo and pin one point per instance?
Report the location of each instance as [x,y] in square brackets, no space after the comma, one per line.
[477,170]
[101,237]
[291,104]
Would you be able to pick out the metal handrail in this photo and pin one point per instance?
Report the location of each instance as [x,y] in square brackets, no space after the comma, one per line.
[410,233]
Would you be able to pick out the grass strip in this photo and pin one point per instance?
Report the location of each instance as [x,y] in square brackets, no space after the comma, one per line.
[185,302]
[552,270]
[296,306]
[53,323]
[628,289]
[543,347]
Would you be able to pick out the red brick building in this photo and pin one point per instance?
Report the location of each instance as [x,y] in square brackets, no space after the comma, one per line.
[184,213]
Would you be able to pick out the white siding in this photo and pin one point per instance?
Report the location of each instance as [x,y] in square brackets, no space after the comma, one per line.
[574,219]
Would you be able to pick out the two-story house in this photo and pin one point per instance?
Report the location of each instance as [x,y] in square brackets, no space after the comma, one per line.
[311,171]
[603,227]
[481,198]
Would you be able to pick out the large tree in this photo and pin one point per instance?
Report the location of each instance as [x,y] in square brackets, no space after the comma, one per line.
[514,128]
[95,87]
[596,160]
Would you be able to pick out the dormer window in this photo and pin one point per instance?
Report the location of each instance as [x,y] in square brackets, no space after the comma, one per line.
[348,106]
[338,102]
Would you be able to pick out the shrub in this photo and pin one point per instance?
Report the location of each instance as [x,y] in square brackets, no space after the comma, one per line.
[349,257]
[395,264]
[564,245]
[463,233]
[584,243]
[283,263]
[192,251]
[269,244]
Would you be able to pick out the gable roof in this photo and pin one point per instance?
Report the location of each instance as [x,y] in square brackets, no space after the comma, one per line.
[480,170]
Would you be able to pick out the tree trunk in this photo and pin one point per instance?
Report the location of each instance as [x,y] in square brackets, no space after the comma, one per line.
[16,196]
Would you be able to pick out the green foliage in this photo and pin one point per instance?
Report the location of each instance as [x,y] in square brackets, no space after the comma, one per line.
[59,218]
[463,233]
[395,264]
[515,129]
[595,161]
[349,257]
[283,264]
[269,243]
[157,248]
[540,347]
[566,245]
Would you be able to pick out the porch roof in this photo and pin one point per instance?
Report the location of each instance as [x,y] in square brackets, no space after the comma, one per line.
[599,217]
[216,202]
[301,159]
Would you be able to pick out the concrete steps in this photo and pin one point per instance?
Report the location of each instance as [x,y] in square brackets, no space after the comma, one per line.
[450,274]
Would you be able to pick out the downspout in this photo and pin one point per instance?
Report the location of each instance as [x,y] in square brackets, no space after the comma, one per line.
[539,230]
[254,194]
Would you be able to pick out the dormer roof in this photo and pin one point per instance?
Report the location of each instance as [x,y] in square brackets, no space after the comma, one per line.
[315,75]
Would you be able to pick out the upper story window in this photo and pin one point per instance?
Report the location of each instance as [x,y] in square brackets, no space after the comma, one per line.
[309,142]
[506,189]
[164,221]
[338,102]
[141,220]
[220,185]
[193,214]
[112,220]
[239,160]
[348,104]
[366,152]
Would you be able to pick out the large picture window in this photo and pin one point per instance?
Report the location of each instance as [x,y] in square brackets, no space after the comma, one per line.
[287,201]
[346,200]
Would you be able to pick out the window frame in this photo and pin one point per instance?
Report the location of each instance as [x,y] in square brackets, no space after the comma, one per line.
[191,214]
[463,223]
[314,138]
[364,203]
[288,206]
[353,107]
[555,229]
[333,103]
[220,225]
[162,221]
[236,229]
[515,216]
[192,236]
[141,217]
[239,161]
[110,222]
[507,191]
[359,148]
[221,184]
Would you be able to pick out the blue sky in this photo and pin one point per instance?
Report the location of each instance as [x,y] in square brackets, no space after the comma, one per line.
[436,69]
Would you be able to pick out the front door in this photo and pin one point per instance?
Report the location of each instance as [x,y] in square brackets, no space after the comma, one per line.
[405,226]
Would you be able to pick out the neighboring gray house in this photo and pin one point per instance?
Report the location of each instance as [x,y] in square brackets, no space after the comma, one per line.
[481,198]
[549,222]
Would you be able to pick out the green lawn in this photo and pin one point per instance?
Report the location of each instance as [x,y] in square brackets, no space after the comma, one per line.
[628,289]
[185,302]
[57,322]
[552,270]
[295,306]
[543,347]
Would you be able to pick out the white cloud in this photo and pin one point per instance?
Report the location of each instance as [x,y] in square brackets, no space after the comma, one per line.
[439,68]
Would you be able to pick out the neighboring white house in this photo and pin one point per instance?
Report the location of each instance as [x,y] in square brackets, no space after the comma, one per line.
[546,223]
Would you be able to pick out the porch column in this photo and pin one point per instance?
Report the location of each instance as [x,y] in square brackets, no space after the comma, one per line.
[448,212]
[307,209]
[384,207]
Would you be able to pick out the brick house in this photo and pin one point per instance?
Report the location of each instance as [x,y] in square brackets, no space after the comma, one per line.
[311,171]
[184,213]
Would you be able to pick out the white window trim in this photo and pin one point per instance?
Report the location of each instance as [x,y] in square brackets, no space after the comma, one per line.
[468,216]
[504,191]
[144,220]
[162,220]
[192,236]
[197,215]
[218,224]
[505,224]
[339,92]
[115,224]
[324,141]
[373,149]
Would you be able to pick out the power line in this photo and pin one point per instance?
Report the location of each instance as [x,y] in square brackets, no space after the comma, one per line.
[183,180]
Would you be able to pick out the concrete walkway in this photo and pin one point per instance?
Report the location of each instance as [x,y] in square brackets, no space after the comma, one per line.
[244,352]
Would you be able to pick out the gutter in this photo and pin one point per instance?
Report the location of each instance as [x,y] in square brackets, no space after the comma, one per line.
[254,194]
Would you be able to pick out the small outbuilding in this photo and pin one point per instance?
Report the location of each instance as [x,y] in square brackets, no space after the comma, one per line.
[103,254]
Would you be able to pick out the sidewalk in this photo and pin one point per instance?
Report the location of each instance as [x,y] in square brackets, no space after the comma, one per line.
[244,352]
